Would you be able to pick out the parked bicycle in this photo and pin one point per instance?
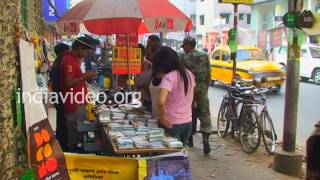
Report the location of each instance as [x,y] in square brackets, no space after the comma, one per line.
[238,114]
[268,132]
[246,124]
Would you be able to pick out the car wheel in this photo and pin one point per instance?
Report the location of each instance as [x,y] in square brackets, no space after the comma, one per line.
[304,79]
[316,76]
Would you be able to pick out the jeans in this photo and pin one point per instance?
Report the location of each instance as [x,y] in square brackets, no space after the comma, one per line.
[180,131]
[72,119]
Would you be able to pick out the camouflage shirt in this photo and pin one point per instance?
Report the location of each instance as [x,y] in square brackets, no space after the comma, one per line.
[198,63]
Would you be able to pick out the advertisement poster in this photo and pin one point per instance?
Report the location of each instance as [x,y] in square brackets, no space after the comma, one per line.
[262,39]
[122,39]
[54,10]
[90,167]
[171,168]
[120,63]
[46,155]
[275,38]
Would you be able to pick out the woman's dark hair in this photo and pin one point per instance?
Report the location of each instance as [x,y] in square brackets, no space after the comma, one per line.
[167,60]
[59,50]
[143,49]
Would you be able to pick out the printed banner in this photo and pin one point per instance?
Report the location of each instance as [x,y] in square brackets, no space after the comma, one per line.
[275,38]
[262,39]
[170,168]
[120,63]
[122,39]
[47,158]
[49,12]
[90,167]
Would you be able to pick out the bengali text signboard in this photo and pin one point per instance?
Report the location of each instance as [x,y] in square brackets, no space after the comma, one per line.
[122,40]
[120,63]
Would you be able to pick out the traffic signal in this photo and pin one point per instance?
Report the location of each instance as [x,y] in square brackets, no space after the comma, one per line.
[296,19]
[290,19]
[232,42]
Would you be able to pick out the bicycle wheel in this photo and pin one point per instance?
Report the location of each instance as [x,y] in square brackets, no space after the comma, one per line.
[224,122]
[268,133]
[250,136]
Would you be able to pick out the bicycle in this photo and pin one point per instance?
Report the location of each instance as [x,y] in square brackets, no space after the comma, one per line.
[246,124]
[268,132]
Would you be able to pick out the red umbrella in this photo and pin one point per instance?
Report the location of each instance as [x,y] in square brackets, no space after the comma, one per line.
[104,17]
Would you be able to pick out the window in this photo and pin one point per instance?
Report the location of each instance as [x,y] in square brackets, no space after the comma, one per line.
[193,18]
[216,55]
[225,16]
[202,20]
[221,55]
[245,54]
[241,16]
[315,52]
[248,18]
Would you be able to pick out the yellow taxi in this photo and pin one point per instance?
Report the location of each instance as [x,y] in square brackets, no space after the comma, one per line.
[252,67]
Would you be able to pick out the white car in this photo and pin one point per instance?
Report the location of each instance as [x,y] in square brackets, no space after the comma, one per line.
[309,61]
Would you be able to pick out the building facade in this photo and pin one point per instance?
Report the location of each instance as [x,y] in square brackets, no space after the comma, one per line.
[214,19]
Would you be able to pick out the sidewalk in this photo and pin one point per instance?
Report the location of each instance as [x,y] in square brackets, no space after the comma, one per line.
[227,161]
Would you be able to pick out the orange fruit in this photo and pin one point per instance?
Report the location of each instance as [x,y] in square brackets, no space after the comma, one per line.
[38,139]
[47,152]
[39,154]
[51,164]
[42,171]
[45,135]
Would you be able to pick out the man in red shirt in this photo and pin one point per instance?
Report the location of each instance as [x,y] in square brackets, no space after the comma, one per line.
[74,88]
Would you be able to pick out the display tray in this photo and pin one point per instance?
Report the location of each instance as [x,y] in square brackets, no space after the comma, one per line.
[134,151]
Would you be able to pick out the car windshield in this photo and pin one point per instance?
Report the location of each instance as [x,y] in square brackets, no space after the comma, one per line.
[315,52]
[250,54]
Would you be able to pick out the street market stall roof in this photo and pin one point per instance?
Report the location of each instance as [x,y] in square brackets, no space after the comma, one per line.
[103,17]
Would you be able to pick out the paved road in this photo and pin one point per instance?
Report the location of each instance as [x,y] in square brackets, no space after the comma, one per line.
[308,113]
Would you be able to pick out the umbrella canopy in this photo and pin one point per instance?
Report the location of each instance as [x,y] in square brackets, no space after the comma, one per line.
[104,17]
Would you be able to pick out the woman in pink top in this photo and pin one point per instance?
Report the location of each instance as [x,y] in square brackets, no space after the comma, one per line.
[176,93]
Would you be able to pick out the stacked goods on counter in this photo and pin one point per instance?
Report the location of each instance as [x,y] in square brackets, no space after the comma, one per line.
[139,131]
[173,143]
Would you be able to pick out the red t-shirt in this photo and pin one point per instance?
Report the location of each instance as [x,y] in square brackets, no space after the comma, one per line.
[75,95]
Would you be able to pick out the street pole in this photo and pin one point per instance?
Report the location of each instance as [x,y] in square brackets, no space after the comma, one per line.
[288,161]
[233,55]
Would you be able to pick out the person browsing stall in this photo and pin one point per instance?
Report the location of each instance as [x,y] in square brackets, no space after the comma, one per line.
[176,93]
[74,88]
[54,73]
[143,81]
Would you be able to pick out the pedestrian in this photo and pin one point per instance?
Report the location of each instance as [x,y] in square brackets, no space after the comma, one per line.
[74,89]
[176,94]
[143,81]
[198,63]
[54,74]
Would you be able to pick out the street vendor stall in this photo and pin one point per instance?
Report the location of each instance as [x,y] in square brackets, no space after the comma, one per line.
[128,17]
[113,128]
